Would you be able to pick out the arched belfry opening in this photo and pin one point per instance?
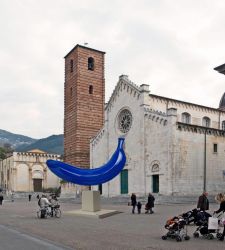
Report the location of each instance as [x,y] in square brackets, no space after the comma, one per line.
[91,63]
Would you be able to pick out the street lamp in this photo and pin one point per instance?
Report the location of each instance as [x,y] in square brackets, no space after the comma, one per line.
[204,173]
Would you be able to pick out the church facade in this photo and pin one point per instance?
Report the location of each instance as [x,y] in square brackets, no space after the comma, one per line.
[28,172]
[173,147]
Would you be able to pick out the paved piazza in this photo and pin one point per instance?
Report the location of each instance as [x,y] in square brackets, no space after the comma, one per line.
[121,231]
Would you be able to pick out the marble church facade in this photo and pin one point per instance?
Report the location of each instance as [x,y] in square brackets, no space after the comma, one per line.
[173,147]
[28,172]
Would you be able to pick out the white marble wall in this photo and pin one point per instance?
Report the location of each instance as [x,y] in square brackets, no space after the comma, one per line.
[155,138]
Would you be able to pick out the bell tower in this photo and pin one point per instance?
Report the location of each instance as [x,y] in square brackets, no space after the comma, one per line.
[84,97]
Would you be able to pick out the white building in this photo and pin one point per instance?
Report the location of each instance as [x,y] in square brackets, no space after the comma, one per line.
[173,147]
[28,172]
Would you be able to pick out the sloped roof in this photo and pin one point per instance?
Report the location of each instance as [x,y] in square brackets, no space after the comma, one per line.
[37,151]
[122,79]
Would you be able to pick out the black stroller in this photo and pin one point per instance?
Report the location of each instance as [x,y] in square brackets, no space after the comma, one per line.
[202,229]
[191,216]
[177,229]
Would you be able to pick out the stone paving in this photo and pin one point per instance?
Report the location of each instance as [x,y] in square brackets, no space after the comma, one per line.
[121,231]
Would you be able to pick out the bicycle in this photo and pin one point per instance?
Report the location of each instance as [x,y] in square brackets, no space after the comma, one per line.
[56,211]
[47,212]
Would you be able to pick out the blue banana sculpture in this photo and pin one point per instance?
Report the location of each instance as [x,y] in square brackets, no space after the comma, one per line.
[94,176]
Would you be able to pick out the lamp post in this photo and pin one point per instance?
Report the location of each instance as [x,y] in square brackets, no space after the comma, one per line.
[204,172]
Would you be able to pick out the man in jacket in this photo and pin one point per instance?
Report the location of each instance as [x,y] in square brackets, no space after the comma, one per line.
[203,202]
[43,202]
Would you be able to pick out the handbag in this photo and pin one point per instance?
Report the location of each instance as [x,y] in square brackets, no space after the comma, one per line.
[213,223]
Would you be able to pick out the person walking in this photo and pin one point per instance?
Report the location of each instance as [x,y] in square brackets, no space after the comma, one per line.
[1,199]
[29,197]
[150,204]
[139,205]
[221,199]
[203,202]
[12,196]
[133,202]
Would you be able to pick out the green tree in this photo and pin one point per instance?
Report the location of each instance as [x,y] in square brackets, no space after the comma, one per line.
[5,151]
[2,153]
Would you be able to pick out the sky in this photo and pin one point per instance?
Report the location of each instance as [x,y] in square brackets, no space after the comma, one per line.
[171,45]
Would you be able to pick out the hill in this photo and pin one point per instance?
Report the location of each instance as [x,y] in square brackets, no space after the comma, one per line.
[15,140]
[52,144]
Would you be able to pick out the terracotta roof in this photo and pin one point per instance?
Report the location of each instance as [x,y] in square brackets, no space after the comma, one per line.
[37,151]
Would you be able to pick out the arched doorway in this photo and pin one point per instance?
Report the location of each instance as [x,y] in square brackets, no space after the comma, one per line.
[37,180]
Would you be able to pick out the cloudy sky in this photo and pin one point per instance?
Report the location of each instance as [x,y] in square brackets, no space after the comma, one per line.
[171,45]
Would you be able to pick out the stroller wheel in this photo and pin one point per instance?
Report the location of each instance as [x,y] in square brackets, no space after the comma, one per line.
[164,237]
[187,237]
[218,235]
[210,236]
[178,238]
[196,234]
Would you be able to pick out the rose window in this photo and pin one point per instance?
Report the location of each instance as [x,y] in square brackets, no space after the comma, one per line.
[125,121]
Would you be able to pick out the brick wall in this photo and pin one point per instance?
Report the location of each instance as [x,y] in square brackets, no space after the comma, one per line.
[83,112]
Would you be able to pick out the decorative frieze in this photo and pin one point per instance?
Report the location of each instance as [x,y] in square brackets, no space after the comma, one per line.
[200,129]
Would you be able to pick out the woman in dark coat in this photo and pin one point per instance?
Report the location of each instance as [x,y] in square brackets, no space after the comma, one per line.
[133,202]
[150,204]
[221,199]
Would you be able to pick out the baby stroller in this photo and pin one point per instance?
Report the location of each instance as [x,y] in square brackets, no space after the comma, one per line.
[203,227]
[177,229]
[190,216]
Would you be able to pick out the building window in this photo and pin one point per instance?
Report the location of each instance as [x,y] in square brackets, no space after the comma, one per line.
[186,118]
[215,148]
[90,63]
[206,122]
[223,125]
[71,65]
[91,89]
[124,120]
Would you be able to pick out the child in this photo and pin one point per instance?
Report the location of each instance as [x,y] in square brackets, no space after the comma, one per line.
[139,205]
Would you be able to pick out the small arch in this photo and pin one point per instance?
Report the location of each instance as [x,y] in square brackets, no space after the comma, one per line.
[155,167]
[91,63]
[90,89]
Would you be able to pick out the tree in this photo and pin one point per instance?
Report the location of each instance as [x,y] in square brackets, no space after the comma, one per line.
[2,153]
[5,151]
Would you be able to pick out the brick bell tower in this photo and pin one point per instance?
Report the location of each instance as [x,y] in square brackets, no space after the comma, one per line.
[84,98]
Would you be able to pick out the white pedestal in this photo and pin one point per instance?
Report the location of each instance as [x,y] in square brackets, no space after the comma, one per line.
[91,201]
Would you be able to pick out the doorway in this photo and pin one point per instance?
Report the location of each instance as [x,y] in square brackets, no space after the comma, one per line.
[100,188]
[37,185]
[124,181]
[155,183]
